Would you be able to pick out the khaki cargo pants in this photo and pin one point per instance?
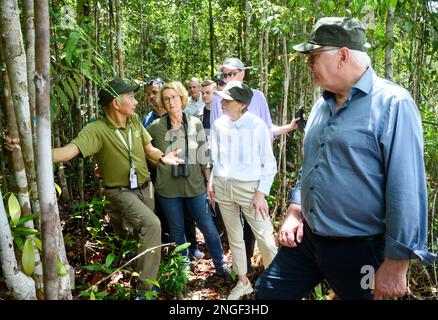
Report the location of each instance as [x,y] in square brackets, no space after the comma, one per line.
[131,211]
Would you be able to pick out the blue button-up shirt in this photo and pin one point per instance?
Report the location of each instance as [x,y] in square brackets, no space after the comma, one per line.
[149,118]
[363,169]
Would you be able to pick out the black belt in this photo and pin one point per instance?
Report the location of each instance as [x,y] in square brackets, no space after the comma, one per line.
[373,237]
[144,185]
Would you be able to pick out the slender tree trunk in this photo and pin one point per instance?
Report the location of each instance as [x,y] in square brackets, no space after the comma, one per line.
[286,69]
[111,33]
[247,34]
[15,59]
[261,79]
[211,25]
[119,40]
[22,286]
[20,178]
[412,51]
[389,71]
[45,181]
[30,59]
[420,54]
[266,63]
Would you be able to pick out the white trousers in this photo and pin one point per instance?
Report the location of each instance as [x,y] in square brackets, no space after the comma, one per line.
[233,195]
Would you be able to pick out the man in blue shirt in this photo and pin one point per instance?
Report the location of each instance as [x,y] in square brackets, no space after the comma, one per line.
[153,88]
[358,212]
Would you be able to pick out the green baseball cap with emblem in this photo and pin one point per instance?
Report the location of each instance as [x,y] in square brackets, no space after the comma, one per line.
[336,32]
[113,88]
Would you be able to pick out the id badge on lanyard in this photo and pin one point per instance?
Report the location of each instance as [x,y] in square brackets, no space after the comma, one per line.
[133,181]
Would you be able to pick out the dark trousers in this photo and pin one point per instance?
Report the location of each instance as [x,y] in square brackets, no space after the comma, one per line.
[295,272]
[249,238]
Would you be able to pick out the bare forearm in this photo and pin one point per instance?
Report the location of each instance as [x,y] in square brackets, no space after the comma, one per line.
[65,153]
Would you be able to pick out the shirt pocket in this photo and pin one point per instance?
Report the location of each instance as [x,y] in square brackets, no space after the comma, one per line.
[356,151]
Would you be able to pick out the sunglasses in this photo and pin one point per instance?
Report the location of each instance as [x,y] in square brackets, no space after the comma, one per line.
[231,74]
[155,81]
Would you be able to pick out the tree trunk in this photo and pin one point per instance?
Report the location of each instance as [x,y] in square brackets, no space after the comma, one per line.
[22,286]
[111,32]
[247,34]
[211,25]
[286,69]
[266,62]
[389,71]
[420,54]
[15,59]
[30,59]
[45,179]
[20,178]
[119,39]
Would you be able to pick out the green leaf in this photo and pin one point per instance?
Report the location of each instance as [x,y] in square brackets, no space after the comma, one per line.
[58,188]
[92,297]
[62,97]
[93,267]
[74,86]
[14,209]
[28,257]
[25,219]
[182,247]
[109,259]
[67,89]
[24,231]
[60,268]
[153,281]
[70,46]
[38,243]
[394,3]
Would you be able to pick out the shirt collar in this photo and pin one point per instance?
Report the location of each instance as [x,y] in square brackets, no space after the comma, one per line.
[113,125]
[364,84]
[239,122]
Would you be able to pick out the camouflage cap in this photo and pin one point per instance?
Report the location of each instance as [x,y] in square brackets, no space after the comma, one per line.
[336,32]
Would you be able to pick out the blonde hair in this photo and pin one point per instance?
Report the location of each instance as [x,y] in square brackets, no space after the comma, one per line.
[178,87]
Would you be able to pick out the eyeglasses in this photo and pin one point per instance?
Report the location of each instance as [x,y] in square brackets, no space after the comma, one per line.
[171,98]
[158,82]
[312,55]
[231,74]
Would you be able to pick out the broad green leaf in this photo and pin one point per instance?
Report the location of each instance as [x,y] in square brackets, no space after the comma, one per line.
[38,243]
[14,208]
[74,87]
[153,281]
[58,188]
[25,219]
[67,89]
[24,231]
[71,46]
[182,247]
[60,268]
[109,259]
[62,97]
[93,267]
[394,3]
[28,257]
[92,297]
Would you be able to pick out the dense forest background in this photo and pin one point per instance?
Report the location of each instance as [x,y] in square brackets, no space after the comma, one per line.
[86,42]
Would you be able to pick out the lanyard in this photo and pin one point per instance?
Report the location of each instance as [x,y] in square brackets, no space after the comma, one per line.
[127,146]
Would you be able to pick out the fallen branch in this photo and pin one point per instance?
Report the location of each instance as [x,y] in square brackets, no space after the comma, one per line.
[133,259]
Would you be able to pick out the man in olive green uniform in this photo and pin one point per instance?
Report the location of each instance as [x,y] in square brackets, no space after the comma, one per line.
[120,145]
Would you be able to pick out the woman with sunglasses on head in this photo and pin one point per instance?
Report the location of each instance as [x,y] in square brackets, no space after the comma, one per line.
[185,185]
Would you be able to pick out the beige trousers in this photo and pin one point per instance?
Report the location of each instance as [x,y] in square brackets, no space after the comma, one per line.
[233,195]
[131,211]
